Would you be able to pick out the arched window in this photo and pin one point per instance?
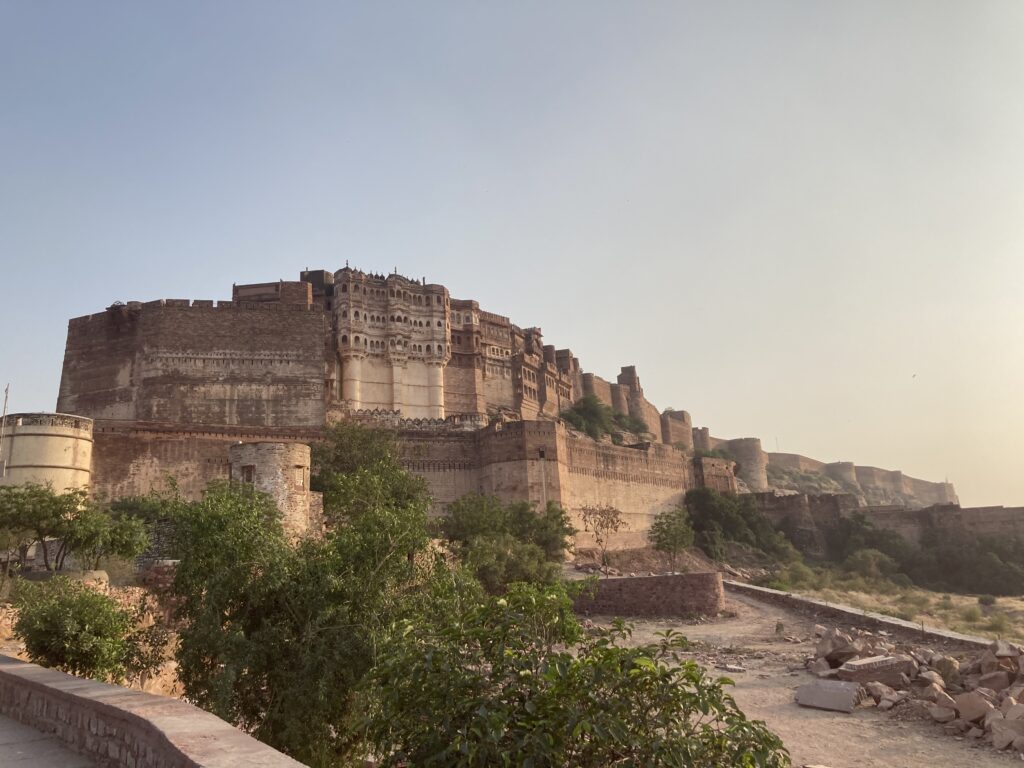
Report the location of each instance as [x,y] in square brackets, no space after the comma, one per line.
[356,339]
[391,293]
[365,344]
[392,343]
[438,323]
[344,313]
[356,314]
[428,349]
[344,339]
[438,299]
[344,288]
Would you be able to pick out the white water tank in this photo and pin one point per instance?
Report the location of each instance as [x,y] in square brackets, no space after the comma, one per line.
[52,449]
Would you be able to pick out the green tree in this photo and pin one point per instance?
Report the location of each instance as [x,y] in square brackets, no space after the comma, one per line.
[671,532]
[70,627]
[504,543]
[61,524]
[512,682]
[278,635]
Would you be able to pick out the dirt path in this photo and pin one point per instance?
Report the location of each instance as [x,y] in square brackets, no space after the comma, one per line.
[865,739]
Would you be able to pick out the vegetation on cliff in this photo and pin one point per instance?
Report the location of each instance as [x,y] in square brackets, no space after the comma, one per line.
[590,415]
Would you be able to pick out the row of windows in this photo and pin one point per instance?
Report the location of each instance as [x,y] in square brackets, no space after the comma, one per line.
[373,344]
[392,318]
[469,318]
[404,295]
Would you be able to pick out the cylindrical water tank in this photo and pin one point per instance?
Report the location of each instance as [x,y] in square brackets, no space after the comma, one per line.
[52,449]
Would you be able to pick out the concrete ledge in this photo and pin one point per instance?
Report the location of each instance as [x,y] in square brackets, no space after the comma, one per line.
[681,594]
[125,728]
[852,615]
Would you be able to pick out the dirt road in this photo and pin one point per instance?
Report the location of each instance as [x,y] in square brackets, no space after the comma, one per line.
[865,739]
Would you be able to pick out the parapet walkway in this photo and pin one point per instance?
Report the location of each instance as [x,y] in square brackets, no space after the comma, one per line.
[22,746]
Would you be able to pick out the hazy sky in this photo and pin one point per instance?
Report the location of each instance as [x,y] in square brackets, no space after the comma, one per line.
[802,221]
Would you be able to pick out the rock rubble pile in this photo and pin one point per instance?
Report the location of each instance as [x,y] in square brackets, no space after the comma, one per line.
[979,695]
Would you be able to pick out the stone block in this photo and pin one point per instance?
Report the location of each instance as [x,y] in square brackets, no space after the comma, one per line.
[832,695]
[882,669]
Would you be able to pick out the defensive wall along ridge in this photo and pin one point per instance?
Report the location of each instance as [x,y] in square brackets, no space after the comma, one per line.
[172,384]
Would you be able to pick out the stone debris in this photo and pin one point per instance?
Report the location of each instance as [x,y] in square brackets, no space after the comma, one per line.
[833,695]
[978,695]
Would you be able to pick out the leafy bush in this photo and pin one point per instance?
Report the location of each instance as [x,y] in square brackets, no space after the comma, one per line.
[987,600]
[671,532]
[999,623]
[971,614]
[67,626]
[503,543]
[510,682]
[871,564]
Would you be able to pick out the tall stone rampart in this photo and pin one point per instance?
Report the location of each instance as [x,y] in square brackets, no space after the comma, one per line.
[172,361]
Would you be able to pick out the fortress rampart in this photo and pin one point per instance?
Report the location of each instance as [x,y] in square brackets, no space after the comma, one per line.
[173,384]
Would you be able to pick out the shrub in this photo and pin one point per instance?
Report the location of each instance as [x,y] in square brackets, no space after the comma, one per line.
[510,682]
[971,614]
[67,626]
[503,543]
[999,623]
[986,600]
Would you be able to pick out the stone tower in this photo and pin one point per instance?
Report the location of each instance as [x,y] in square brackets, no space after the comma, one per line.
[280,470]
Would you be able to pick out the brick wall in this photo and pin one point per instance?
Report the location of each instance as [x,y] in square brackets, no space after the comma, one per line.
[684,594]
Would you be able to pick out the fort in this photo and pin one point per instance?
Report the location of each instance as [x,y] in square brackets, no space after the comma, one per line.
[201,390]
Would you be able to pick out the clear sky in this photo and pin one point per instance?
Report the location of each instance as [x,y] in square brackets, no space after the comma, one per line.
[802,221]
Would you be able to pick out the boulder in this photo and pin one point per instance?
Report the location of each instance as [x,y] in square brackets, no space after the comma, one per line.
[988,662]
[879,691]
[832,695]
[1016,712]
[948,667]
[929,692]
[821,668]
[943,699]
[972,706]
[942,714]
[1004,650]
[991,717]
[932,676]
[995,681]
[844,653]
[1007,703]
[1005,732]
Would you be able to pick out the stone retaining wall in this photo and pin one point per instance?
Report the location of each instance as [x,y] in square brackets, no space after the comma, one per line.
[844,613]
[683,594]
[125,728]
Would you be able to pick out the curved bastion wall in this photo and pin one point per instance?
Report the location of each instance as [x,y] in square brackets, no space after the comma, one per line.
[52,449]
